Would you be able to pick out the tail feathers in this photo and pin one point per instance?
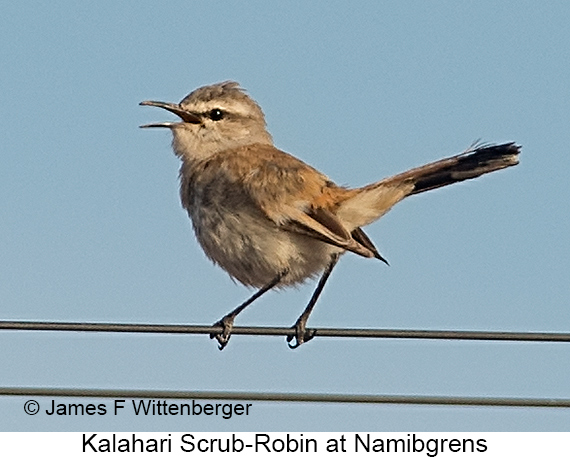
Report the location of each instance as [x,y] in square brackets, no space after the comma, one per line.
[468,165]
[373,201]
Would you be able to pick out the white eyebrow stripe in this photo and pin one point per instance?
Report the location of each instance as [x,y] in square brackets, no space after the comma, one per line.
[206,107]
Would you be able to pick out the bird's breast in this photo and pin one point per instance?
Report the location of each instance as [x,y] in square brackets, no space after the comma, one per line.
[235,234]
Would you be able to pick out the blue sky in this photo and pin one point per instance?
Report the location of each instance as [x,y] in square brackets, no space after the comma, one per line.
[92,229]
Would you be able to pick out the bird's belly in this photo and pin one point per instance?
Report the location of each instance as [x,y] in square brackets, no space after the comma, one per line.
[253,249]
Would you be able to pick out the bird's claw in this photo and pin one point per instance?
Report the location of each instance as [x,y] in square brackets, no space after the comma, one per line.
[227,322]
[302,335]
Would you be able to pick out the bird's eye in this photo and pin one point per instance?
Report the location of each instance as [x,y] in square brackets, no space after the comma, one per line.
[216,114]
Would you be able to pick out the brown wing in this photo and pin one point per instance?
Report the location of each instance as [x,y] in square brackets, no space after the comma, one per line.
[359,235]
[296,196]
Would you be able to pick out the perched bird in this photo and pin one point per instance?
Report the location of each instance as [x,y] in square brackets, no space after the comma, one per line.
[269,219]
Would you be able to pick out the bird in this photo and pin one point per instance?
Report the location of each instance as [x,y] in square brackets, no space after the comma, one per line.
[269,219]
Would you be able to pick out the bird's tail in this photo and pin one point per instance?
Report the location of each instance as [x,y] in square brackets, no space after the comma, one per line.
[371,202]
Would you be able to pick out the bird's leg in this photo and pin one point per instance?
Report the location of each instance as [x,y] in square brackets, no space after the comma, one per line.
[301,335]
[227,322]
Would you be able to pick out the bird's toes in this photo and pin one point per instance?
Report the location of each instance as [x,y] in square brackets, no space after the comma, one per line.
[223,338]
[302,335]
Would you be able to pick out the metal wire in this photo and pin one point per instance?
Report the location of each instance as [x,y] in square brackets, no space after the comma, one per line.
[286,331]
[286,397]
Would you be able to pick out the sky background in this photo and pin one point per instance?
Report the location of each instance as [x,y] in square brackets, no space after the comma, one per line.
[91,228]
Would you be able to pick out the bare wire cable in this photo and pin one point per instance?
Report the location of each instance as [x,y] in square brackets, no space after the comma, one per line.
[286,331]
[286,397]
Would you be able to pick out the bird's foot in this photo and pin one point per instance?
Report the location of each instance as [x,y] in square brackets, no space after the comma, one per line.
[302,335]
[227,322]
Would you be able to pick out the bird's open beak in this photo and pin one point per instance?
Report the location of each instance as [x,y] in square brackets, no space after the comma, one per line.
[186,116]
